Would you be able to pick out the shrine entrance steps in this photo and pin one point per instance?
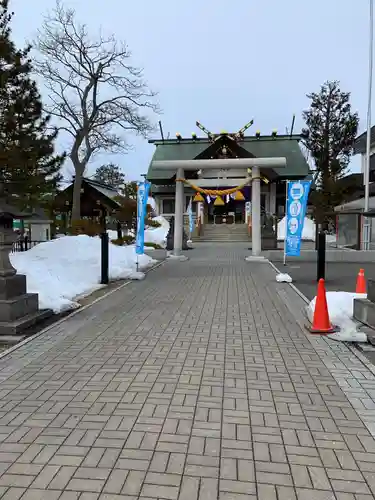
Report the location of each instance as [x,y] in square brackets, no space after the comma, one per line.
[224,233]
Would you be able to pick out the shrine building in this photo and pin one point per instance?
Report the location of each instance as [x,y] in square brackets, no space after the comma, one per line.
[232,179]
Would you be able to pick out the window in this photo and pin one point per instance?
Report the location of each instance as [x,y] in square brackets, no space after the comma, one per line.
[168,206]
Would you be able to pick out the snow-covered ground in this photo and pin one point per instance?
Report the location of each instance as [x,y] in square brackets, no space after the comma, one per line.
[308,232]
[340,309]
[64,269]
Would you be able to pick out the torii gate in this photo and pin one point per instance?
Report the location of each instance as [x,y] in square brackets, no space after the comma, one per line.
[233,163]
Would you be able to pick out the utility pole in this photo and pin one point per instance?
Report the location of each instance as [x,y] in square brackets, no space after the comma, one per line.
[366,173]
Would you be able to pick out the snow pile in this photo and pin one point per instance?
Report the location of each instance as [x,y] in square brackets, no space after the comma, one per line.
[308,232]
[340,309]
[283,278]
[63,269]
[158,235]
[112,234]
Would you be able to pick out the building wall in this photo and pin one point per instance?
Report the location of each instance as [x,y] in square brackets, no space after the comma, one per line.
[165,204]
[40,232]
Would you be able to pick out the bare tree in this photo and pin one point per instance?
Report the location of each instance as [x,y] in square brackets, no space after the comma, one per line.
[94,93]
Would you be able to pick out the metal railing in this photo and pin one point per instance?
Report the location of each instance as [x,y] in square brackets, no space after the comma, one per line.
[22,245]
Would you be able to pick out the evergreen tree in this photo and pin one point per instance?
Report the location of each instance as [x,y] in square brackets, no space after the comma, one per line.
[110,174]
[28,166]
[331,129]
[129,190]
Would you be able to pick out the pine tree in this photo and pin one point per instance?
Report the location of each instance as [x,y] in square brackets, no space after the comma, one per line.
[28,166]
[110,174]
[331,129]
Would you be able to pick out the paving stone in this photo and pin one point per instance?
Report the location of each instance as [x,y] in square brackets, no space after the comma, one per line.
[32,494]
[266,492]
[12,493]
[157,491]
[319,478]
[133,483]
[303,494]
[241,487]
[115,482]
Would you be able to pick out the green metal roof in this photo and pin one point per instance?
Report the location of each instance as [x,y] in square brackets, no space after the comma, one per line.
[264,147]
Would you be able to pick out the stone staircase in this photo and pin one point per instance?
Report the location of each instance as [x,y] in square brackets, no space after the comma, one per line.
[224,233]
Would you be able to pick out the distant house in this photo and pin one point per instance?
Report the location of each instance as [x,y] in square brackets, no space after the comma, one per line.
[37,227]
[96,197]
[353,183]
[360,149]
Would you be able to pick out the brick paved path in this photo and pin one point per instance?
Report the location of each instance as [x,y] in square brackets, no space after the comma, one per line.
[197,383]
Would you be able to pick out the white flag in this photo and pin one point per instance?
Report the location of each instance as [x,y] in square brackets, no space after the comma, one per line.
[208,198]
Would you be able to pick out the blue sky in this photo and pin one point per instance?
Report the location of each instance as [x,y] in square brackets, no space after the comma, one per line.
[224,63]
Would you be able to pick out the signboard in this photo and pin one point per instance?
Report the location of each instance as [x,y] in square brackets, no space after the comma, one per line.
[143,189]
[248,207]
[297,196]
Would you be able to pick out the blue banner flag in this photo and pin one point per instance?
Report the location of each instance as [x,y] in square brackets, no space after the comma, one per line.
[191,220]
[298,193]
[143,189]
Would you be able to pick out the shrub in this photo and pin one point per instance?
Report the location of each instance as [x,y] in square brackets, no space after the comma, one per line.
[153,223]
[128,239]
[153,245]
[125,240]
[119,242]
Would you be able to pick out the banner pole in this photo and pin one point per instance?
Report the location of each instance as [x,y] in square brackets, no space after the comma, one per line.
[286,220]
[190,214]
[138,228]
[142,196]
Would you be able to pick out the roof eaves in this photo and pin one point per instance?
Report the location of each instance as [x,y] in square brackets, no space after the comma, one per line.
[360,142]
[248,138]
[361,136]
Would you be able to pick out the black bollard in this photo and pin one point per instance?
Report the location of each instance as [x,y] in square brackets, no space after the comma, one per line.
[119,230]
[321,256]
[317,229]
[104,258]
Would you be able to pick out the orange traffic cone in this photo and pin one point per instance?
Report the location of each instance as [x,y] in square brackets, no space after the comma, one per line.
[361,282]
[321,323]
